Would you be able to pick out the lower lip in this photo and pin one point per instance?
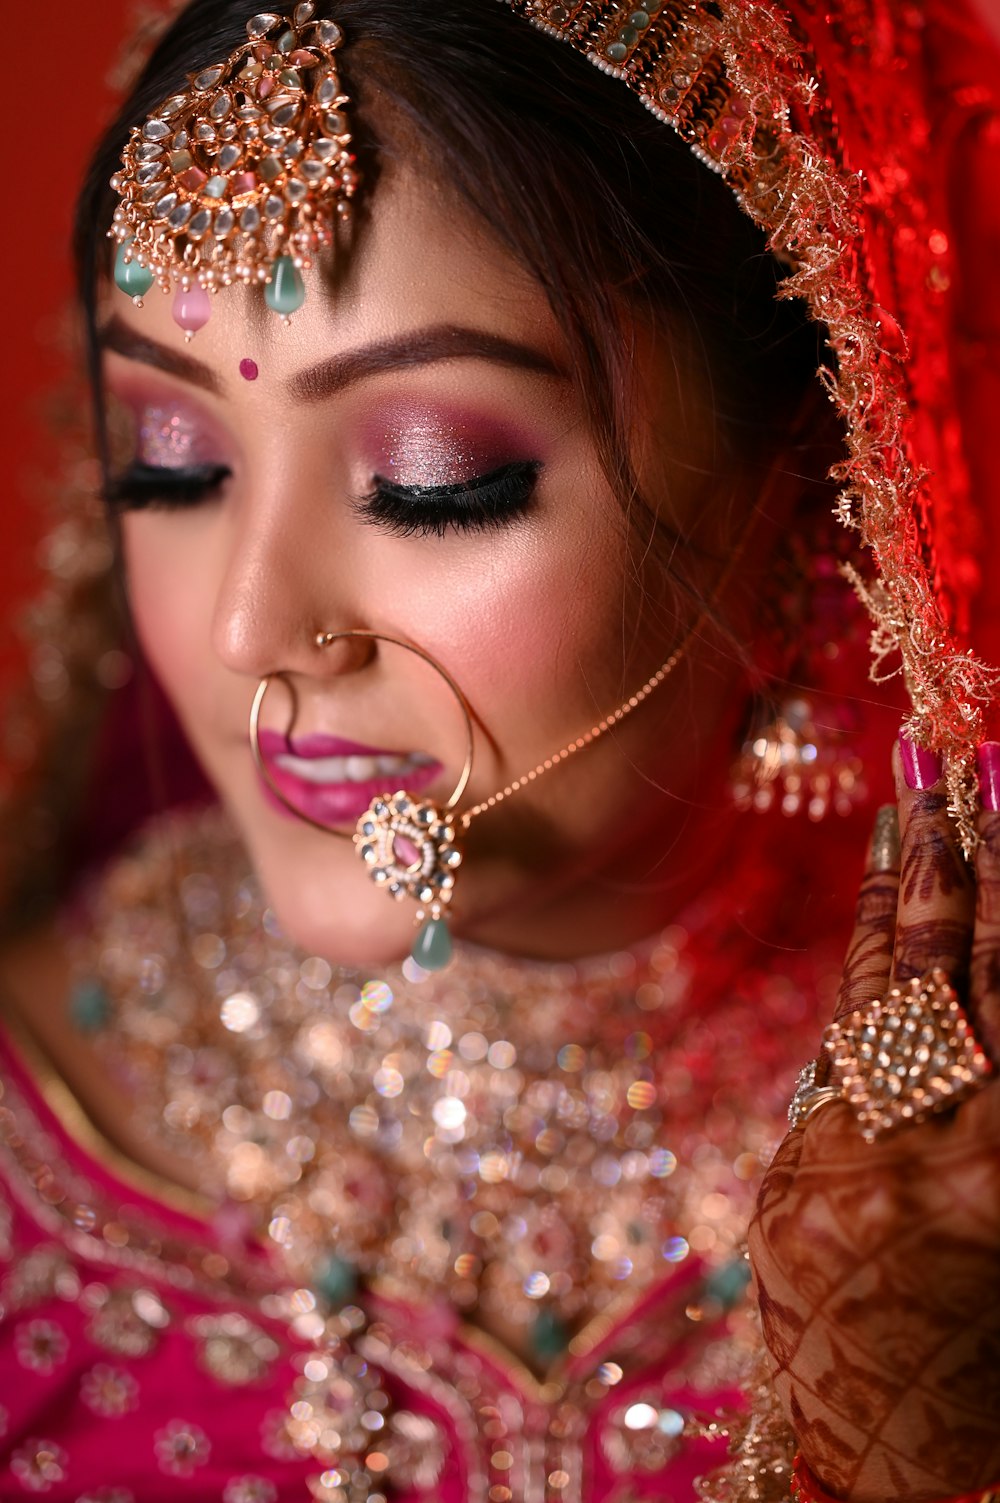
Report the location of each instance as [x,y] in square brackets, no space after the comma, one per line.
[336,804]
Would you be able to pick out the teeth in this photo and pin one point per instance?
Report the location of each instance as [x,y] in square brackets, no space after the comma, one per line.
[360,769]
[314,769]
[350,769]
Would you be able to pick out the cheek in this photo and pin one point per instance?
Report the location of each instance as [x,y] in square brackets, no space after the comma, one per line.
[171,594]
[526,623]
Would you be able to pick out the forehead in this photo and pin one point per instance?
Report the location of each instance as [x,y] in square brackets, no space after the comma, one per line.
[420,260]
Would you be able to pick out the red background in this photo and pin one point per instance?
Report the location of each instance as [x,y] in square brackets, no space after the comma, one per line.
[64,106]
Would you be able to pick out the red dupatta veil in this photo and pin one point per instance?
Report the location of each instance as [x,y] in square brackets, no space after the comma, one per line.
[861,136]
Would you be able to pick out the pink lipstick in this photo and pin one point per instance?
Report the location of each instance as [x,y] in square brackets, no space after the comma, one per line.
[333,780]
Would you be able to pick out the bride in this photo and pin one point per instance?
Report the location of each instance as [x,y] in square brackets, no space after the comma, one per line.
[385,1117]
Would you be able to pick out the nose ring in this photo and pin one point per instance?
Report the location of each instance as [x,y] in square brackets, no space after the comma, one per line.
[409,845]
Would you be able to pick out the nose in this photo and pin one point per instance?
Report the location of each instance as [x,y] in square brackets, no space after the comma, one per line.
[287,578]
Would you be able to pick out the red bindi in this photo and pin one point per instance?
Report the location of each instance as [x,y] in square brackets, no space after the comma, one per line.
[248,370]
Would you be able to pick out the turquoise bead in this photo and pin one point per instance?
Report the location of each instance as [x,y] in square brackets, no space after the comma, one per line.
[432,946]
[286,291]
[131,278]
[549,1336]
[89,1007]
[337,1281]
[727,1284]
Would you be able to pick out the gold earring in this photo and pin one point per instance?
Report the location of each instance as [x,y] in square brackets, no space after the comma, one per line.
[795,763]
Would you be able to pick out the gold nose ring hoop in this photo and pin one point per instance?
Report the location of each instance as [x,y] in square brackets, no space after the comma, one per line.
[409,845]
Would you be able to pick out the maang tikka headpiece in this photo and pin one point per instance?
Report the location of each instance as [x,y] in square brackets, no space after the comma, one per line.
[241,177]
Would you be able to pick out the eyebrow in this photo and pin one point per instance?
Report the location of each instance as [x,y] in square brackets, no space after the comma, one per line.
[428,346]
[122,340]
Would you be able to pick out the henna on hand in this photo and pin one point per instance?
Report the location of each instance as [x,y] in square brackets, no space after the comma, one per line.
[869,955]
[877,1267]
[984,965]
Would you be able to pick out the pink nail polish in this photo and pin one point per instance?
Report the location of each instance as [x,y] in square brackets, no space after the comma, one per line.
[988,758]
[921,768]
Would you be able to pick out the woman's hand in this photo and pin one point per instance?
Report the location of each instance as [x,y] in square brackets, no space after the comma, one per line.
[878,1266]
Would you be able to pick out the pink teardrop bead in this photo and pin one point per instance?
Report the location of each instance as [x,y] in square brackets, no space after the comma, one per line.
[192,309]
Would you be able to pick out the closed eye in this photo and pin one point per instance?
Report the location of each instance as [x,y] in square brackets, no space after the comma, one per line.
[483,503]
[146,487]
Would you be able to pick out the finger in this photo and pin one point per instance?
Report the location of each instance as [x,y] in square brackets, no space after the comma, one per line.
[984,968]
[869,954]
[936,886]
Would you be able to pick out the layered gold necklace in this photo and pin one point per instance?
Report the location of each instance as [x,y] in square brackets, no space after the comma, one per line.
[529,1141]
[509,1144]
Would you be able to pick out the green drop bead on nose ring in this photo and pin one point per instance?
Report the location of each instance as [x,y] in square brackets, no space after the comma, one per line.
[408,844]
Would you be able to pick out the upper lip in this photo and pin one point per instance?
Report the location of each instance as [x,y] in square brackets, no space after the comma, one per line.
[274,744]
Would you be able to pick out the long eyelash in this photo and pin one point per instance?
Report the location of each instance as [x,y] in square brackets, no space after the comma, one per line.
[148,487]
[482,504]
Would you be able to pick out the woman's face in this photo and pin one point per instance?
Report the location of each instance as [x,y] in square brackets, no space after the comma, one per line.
[318,467]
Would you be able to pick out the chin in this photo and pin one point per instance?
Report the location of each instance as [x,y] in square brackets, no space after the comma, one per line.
[340,917]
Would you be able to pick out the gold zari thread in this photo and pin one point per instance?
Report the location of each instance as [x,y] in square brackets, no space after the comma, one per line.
[740,87]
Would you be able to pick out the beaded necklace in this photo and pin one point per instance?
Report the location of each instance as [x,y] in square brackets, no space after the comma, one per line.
[541,1143]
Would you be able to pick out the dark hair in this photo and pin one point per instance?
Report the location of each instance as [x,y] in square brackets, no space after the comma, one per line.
[600,201]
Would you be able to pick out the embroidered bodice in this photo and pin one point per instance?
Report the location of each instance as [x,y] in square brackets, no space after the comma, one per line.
[392,1165]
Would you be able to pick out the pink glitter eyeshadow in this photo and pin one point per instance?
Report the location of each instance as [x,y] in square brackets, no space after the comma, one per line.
[248,370]
[166,439]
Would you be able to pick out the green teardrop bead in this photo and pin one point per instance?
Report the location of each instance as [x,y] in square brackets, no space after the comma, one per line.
[549,1336]
[337,1281]
[432,946]
[286,291]
[89,1007]
[728,1283]
[131,278]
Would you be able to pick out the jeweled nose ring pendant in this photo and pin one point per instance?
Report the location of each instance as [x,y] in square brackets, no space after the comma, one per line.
[409,845]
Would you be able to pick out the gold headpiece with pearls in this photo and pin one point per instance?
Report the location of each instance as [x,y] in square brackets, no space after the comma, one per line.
[243,175]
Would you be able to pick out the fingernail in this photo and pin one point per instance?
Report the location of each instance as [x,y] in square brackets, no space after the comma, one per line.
[988,758]
[883,853]
[921,768]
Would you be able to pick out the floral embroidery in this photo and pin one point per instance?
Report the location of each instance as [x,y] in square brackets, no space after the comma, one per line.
[232,1348]
[41,1346]
[275,1438]
[643,1435]
[180,1448]
[42,1274]
[38,1464]
[249,1490]
[128,1322]
[108,1391]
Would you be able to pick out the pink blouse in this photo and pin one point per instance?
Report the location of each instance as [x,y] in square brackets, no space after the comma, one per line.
[141,1359]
